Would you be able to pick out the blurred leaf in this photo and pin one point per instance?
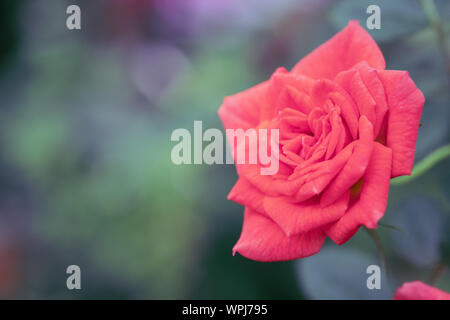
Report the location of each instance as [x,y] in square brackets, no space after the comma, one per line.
[398,18]
[37,143]
[340,273]
[422,221]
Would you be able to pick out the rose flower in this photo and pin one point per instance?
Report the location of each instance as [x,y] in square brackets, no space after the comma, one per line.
[417,290]
[346,127]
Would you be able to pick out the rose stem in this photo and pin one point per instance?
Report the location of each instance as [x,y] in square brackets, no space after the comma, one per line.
[376,239]
[437,272]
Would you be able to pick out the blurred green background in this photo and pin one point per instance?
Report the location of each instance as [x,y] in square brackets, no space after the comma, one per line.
[85,170]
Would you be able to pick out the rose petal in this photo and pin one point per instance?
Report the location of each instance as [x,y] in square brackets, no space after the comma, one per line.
[355,167]
[267,184]
[291,97]
[348,47]
[336,132]
[353,83]
[405,107]
[278,83]
[375,87]
[295,218]
[325,89]
[243,109]
[370,206]
[245,193]
[318,176]
[262,240]
[417,290]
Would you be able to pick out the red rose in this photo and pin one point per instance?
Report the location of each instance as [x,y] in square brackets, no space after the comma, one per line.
[417,290]
[346,127]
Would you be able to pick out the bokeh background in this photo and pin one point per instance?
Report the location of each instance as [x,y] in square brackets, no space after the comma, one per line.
[85,170]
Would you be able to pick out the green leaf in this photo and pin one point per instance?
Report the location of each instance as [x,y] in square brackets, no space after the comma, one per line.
[423,220]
